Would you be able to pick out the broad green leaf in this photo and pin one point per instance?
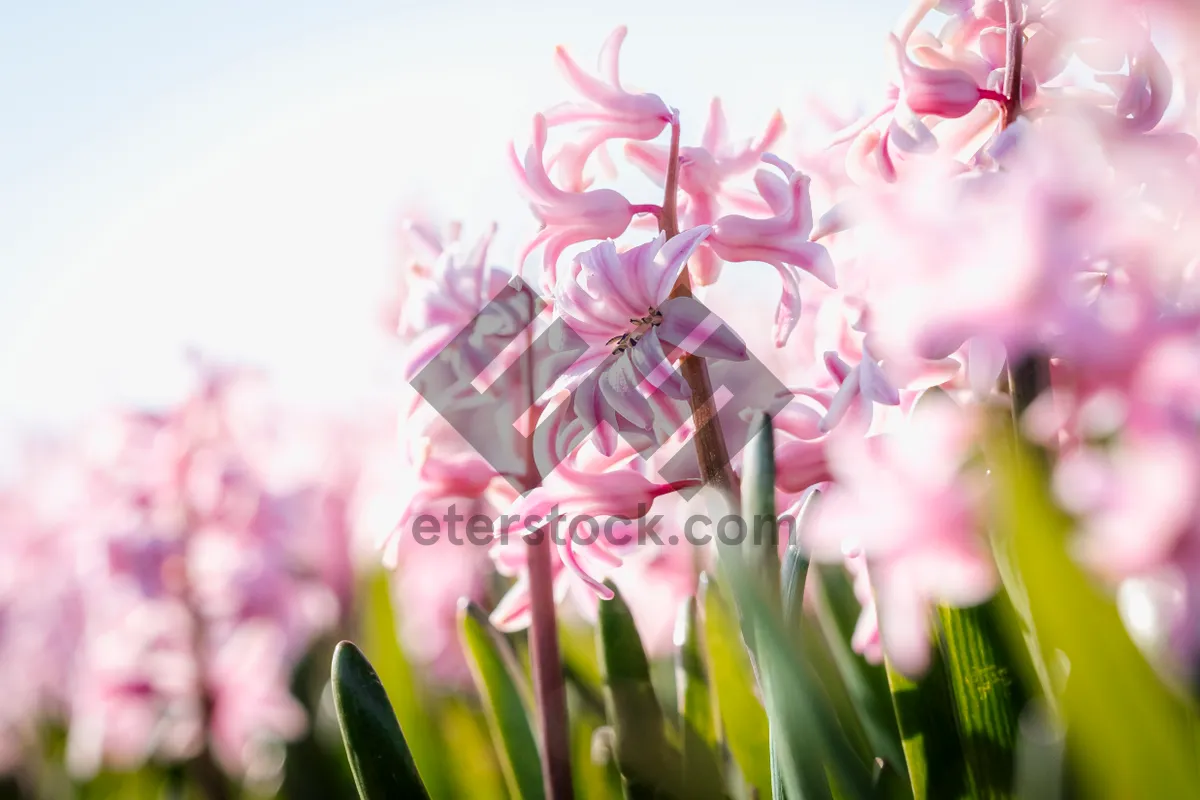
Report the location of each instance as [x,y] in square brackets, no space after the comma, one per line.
[1128,734]
[925,714]
[889,783]
[742,719]
[379,756]
[694,700]
[762,554]
[506,701]
[811,741]
[792,582]
[758,505]
[649,766]
[380,642]
[986,692]
[866,684]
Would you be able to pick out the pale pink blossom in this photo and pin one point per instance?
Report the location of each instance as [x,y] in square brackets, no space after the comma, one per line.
[594,501]
[444,298]
[865,640]
[948,93]
[783,241]
[607,108]
[620,305]
[859,387]
[703,175]
[208,570]
[903,502]
[567,217]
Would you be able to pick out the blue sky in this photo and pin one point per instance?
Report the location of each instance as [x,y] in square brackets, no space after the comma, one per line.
[229,174]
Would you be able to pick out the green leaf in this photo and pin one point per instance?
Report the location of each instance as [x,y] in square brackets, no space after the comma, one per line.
[811,740]
[792,582]
[506,701]
[743,721]
[762,548]
[578,646]
[866,684]
[890,783]
[379,756]
[758,505]
[1128,734]
[649,766]
[380,641]
[478,774]
[694,700]
[987,694]
[795,566]
[925,714]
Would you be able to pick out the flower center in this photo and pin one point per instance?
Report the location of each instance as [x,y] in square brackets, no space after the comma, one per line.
[640,326]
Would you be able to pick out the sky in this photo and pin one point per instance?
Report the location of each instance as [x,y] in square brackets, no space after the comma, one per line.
[229,175]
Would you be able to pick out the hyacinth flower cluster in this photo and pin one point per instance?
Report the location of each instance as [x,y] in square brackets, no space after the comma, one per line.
[986,280]
[165,571]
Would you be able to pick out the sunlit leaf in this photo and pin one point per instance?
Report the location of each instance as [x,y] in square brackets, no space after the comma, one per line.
[812,744]
[506,701]
[742,719]
[649,766]
[380,642]
[479,775]
[925,714]
[694,700]
[986,693]
[1128,734]
[866,684]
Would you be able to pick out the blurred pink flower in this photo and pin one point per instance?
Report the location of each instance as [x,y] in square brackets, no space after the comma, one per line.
[443,299]
[704,172]
[210,560]
[902,501]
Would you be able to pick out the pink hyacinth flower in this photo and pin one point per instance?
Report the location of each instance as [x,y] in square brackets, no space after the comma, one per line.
[800,460]
[589,495]
[567,218]
[704,172]
[859,387]
[444,297]
[781,241]
[904,503]
[947,93]
[608,108]
[865,640]
[620,304]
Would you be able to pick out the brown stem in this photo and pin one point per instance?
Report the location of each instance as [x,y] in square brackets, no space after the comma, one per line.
[1014,62]
[1030,376]
[549,682]
[711,450]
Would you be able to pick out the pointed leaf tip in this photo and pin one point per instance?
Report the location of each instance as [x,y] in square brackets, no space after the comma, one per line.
[379,757]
